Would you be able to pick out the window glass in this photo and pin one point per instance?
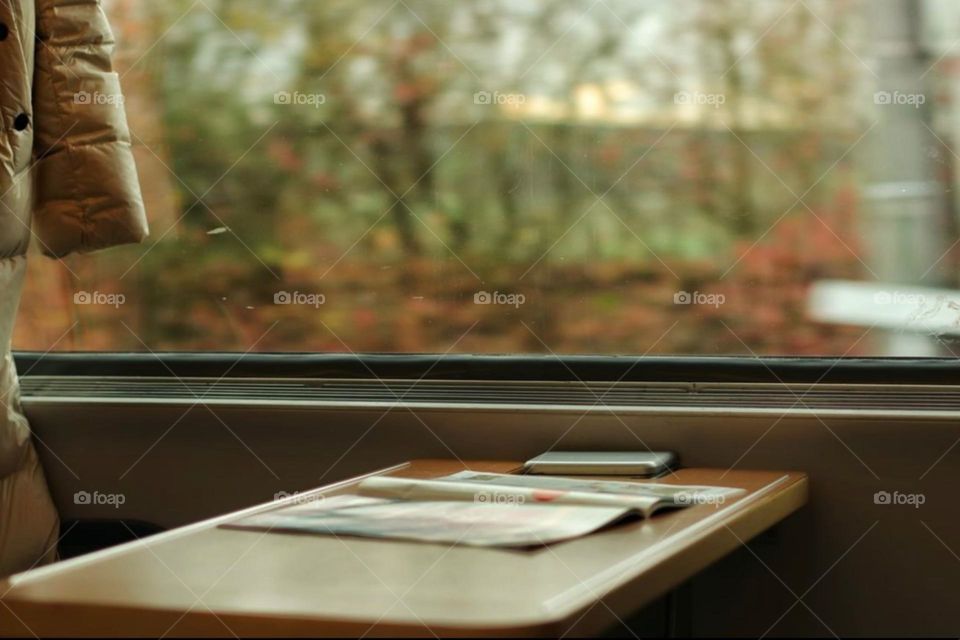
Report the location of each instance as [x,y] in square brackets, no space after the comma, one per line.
[547,176]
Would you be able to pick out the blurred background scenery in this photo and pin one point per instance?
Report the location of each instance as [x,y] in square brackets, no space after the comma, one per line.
[545,176]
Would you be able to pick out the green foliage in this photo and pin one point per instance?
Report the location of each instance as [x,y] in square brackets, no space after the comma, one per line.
[401,156]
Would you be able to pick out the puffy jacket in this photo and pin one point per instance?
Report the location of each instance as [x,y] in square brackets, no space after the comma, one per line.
[67,180]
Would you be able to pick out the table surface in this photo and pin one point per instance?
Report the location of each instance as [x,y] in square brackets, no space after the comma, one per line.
[206,580]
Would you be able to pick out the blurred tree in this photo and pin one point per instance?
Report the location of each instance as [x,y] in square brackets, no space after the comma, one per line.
[402,156]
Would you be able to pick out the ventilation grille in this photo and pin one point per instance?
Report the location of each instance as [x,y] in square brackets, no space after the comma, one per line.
[599,396]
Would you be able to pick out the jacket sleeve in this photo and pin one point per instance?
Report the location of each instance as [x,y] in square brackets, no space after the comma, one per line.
[88,195]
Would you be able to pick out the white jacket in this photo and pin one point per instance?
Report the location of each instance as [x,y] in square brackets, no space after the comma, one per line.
[67,172]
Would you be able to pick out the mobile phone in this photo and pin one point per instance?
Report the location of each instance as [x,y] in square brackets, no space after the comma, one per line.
[601,463]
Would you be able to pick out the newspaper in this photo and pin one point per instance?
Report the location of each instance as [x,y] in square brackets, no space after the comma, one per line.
[482,509]
[452,522]
[501,494]
[677,495]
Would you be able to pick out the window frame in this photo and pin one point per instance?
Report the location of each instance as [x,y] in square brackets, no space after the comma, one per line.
[548,368]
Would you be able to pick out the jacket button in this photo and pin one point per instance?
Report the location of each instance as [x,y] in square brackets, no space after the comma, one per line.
[21,122]
[4,32]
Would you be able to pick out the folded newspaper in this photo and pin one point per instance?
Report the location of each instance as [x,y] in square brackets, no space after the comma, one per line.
[482,509]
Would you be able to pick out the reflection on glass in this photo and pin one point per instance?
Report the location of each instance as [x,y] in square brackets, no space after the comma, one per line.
[550,176]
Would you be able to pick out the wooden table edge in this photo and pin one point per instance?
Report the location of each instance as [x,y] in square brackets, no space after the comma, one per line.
[576,615]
